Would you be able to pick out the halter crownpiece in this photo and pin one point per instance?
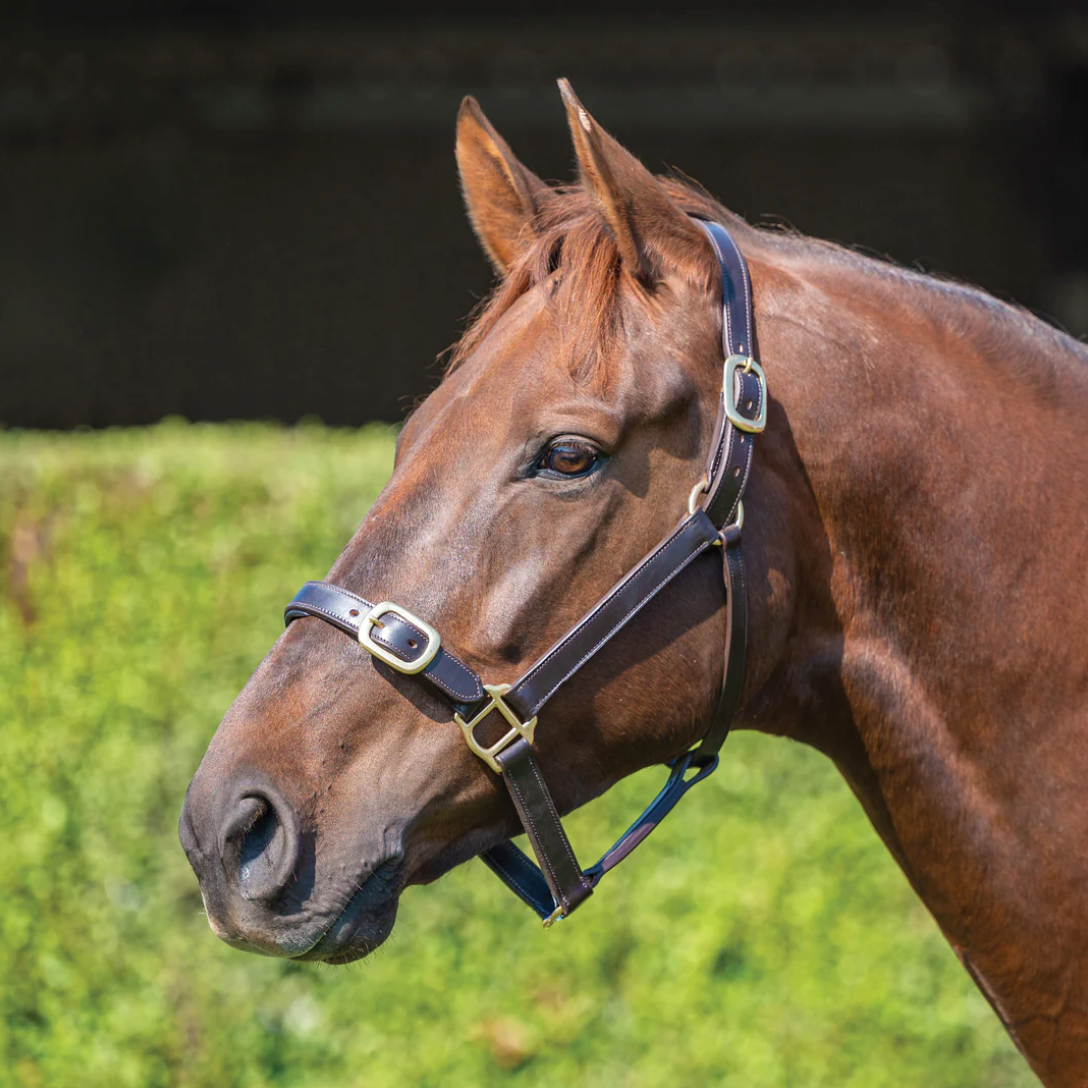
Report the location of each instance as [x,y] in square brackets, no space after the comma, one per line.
[404,642]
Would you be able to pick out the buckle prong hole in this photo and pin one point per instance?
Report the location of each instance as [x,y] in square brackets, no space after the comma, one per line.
[353,612]
[412,643]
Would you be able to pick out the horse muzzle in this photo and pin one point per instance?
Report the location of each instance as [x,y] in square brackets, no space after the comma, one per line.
[257,870]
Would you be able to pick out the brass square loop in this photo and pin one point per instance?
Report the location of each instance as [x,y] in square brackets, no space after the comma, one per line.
[518,728]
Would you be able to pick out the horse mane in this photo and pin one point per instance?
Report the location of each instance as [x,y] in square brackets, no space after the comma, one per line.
[574,256]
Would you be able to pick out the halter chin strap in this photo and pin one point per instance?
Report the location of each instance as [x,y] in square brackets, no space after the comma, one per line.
[404,642]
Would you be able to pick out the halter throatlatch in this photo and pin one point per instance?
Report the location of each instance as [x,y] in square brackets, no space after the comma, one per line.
[404,642]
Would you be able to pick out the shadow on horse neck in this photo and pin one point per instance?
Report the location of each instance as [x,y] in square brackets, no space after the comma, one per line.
[915,532]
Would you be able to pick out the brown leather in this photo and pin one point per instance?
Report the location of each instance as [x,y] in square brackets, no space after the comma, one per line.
[543,827]
[736,649]
[730,458]
[727,471]
[617,608]
[446,671]
[346,610]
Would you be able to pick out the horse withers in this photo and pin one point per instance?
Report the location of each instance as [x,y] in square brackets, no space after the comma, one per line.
[915,545]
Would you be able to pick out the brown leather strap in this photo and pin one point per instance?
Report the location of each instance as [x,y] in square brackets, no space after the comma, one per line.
[347,610]
[612,613]
[678,784]
[735,654]
[730,458]
[527,880]
[543,827]
[728,469]
[727,475]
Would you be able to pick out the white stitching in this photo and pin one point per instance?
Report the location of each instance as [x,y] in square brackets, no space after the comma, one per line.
[336,590]
[508,876]
[527,816]
[748,456]
[587,620]
[702,546]
[747,284]
[477,689]
[746,275]
[726,447]
[310,609]
[731,433]
[558,823]
[395,649]
[454,660]
[726,323]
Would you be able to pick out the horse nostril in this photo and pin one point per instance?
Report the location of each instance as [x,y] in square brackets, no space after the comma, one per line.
[260,846]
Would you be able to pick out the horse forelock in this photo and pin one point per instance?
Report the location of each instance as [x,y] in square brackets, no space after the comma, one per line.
[574,257]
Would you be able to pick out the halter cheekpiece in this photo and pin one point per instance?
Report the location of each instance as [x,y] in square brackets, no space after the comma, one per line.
[715,515]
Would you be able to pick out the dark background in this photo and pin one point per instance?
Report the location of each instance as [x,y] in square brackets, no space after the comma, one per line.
[234,210]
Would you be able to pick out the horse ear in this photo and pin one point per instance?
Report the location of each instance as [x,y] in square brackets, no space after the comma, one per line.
[642,218]
[502,196]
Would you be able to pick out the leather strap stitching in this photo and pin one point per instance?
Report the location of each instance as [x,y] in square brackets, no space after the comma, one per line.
[477,686]
[562,644]
[701,546]
[315,611]
[726,316]
[531,827]
[558,823]
[516,883]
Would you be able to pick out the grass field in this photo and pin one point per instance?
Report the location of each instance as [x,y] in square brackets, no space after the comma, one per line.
[144,574]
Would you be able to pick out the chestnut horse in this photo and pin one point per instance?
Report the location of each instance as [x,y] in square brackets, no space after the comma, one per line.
[917,545]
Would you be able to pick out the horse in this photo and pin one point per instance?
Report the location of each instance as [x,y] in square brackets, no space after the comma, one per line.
[916,551]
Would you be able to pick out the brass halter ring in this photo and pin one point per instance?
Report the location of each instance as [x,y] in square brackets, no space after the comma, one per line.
[693,505]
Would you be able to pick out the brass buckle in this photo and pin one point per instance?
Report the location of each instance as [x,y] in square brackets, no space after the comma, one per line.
[732,412]
[373,619]
[518,727]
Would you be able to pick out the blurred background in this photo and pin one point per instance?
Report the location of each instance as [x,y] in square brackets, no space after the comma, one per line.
[240,214]
[233,209]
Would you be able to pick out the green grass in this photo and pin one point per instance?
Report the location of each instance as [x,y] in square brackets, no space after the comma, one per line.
[763,937]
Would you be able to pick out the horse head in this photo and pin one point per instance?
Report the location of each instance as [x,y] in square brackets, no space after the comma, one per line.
[559,449]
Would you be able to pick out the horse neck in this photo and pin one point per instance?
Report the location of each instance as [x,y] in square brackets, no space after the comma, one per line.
[929,449]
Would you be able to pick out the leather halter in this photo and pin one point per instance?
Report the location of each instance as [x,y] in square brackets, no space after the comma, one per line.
[409,645]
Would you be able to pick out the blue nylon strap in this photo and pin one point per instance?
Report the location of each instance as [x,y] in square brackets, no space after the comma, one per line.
[525,879]
[521,876]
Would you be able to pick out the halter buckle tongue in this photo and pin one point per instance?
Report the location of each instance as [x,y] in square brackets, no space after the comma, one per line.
[518,727]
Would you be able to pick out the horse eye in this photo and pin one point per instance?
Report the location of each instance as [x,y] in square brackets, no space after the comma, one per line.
[569,458]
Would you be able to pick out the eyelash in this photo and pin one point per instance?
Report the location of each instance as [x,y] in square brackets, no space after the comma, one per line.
[540,466]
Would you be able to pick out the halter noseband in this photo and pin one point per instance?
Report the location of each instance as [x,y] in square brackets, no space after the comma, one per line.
[408,644]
